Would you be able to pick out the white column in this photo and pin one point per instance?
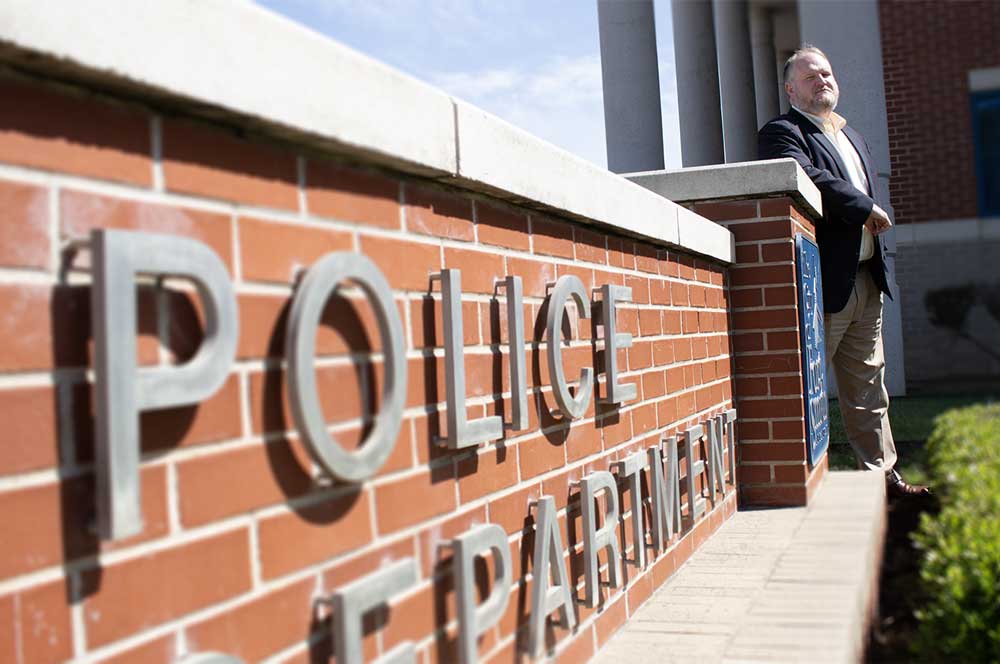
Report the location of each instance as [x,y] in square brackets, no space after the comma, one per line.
[736,81]
[785,28]
[848,32]
[632,122]
[697,83]
[767,87]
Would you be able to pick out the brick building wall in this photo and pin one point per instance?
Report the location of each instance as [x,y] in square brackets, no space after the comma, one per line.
[242,535]
[935,352]
[774,467]
[928,49]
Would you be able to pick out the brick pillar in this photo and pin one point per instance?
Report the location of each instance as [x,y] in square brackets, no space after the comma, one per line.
[768,384]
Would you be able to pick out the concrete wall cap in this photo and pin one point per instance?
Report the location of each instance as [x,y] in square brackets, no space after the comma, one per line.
[749,179]
[264,72]
[987,78]
[712,240]
[496,154]
[242,59]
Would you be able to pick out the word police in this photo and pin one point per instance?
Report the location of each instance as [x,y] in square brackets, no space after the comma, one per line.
[123,391]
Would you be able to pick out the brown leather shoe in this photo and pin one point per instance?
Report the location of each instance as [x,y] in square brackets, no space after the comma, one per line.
[897,487]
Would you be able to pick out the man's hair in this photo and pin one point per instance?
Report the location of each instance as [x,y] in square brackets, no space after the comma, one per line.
[800,52]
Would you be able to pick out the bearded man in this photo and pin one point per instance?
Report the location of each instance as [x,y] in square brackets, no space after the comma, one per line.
[855,270]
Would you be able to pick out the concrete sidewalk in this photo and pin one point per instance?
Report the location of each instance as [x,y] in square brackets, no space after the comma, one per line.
[791,584]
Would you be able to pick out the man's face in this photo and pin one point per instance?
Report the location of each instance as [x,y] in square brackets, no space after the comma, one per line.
[811,86]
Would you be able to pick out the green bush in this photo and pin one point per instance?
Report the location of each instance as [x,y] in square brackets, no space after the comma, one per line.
[960,570]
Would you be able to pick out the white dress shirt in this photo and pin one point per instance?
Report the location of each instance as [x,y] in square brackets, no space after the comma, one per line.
[833,130]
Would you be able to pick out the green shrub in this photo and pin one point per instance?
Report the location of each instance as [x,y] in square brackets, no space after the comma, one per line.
[960,570]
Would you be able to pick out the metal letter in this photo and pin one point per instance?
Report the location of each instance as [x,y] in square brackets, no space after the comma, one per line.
[474,620]
[730,416]
[548,567]
[210,658]
[567,286]
[122,391]
[461,433]
[613,340]
[595,539]
[319,284]
[666,497]
[631,470]
[716,460]
[696,503]
[355,599]
[515,347]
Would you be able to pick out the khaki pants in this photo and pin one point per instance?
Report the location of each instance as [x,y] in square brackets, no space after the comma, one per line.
[854,348]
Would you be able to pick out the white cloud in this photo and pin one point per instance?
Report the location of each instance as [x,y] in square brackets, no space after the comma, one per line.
[561,101]
[470,85]
[566,80]
[520,60]
[410,21]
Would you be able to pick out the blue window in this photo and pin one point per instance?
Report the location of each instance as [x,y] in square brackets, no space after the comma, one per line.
[986,136]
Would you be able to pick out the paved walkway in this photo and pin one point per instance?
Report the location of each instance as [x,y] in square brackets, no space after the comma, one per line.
[793,584]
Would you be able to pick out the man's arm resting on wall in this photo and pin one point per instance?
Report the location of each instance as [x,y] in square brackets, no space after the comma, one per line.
[841,200]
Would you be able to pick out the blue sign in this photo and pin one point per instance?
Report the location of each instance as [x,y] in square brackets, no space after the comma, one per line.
[813,347]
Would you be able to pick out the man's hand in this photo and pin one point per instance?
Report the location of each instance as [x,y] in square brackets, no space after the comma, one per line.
[878,221]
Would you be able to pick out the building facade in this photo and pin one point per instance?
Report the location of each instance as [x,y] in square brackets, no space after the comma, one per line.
[919,81]
[944,135]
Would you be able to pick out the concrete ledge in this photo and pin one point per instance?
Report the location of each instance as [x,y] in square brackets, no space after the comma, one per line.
[500,156]
[711,239]
[948,231]
[794,584]
[750,179]
[984,79]
[238,58]
[238,63]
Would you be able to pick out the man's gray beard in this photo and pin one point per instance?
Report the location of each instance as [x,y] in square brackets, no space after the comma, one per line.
[823,106]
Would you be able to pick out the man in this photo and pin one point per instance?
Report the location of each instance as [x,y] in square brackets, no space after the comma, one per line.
[854,267]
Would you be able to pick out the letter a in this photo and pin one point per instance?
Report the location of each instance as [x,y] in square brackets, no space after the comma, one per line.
[548,567]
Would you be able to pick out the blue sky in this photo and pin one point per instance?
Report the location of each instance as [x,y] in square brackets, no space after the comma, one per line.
[534,63]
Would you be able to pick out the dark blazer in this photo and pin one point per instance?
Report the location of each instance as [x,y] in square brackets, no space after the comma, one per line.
[845,209]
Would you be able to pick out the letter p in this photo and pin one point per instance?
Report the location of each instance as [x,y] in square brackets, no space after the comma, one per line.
[123,391]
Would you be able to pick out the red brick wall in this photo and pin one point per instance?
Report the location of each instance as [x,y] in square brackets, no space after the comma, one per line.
[928,48]
[241,535]
[767,353]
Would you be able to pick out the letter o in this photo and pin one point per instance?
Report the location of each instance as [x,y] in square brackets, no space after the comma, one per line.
[319,284]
